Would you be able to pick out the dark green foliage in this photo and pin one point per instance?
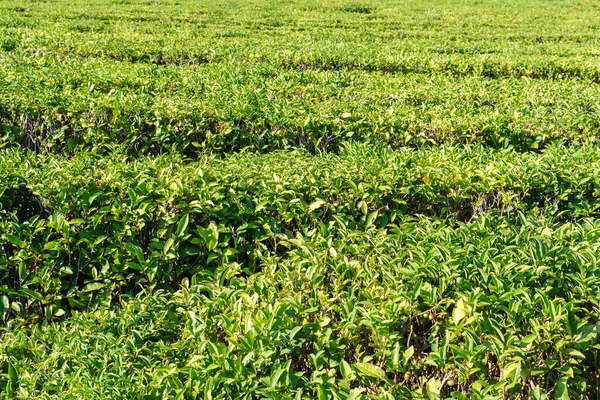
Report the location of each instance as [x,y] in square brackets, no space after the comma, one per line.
[357,8]
[23,203]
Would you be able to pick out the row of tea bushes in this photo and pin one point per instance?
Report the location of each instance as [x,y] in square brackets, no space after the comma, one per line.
[497,307]
[77,231]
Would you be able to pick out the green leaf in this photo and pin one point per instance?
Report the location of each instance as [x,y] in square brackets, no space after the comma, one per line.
[53,245]
[586,333]
[561,390]
[22,271]
[396,355]
[168,244]
[408,353]
[461,310]
[362,205]
[275,377]
[322,392]
[13,373]
[91,287]
[191,251]
[137,337]
[10,389]
[31,293]
[16,307]
[4,305]
[370,370]
[316,205]
[433,386]
[346,370]
[511,371]
[294,331]
[136,251]
[574,353]
[182,225]
[371,218]
[214,239]
[14,240]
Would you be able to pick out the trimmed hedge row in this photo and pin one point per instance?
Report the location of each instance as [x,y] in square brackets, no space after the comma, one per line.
[77,231]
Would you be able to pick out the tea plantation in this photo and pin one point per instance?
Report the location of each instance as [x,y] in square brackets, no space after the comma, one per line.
[372,199]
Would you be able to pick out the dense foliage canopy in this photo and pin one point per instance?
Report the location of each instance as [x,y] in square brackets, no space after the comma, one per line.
[299,200]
